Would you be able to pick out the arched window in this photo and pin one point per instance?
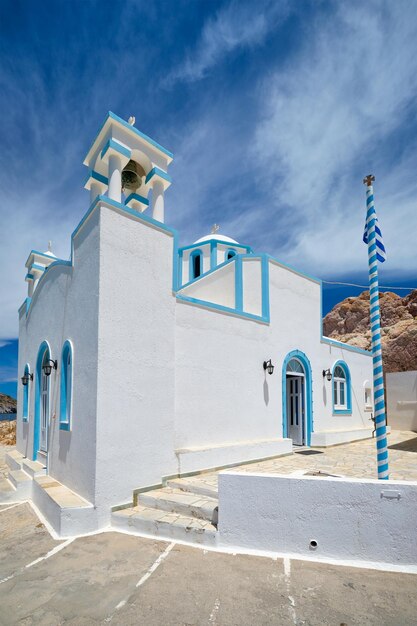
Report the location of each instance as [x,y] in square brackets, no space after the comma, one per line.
[294,367]
[341,388]
[196,264]
[230,254]
[25,413]
[66,387]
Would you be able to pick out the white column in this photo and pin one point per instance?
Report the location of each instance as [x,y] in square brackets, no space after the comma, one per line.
[95,189]
[158,201]
[115,178]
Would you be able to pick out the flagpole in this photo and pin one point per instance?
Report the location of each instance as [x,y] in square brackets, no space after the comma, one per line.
[375,320]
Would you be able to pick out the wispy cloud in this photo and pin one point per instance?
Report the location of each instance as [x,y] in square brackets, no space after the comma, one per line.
[235,26]
[336,112]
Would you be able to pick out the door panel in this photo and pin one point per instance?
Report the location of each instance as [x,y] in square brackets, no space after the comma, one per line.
[295,408]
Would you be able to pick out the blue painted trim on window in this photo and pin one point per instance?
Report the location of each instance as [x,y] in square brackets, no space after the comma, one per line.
[230,252]
[297,354]
[210,271]
[348,410]
[25,411]
[156,171]
[112,144]
[66,387]
[29,277]
[135,196]
[37,416]
[191,262]
[238,283]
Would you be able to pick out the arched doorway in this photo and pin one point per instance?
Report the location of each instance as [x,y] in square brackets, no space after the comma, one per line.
[296,398]
[41,421]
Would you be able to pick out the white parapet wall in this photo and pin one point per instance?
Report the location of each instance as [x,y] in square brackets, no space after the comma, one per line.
[348,520]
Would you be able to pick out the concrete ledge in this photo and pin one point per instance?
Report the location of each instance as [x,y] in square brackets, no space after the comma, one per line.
[14,459]
[66,512]
[325,438]
[209,458]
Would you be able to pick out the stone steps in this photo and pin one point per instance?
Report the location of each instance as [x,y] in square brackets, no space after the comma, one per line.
[33,468]
[187,503]
[22,483]
[159,523]
[194,485]
[14,459]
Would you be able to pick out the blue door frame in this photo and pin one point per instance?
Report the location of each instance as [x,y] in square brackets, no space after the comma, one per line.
[297,354]
[37,418]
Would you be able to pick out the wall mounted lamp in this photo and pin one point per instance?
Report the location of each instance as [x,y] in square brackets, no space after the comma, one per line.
[26,378]
[327,373]
[47,367]
[269,367]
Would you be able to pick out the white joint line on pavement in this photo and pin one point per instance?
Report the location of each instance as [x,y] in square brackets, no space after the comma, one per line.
[144,578]
[61,546]
[234,550]
[12,506]
[287,576]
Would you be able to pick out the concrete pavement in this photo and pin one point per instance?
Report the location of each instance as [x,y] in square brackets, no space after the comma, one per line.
[112,578]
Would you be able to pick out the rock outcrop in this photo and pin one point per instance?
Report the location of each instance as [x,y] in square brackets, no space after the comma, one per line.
[348,321]
[7,404]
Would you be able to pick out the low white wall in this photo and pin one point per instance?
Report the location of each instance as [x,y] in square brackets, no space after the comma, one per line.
[401,388]
[335,437]
[356,520]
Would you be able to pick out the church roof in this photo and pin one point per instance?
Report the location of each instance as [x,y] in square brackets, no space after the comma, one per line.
[217,237]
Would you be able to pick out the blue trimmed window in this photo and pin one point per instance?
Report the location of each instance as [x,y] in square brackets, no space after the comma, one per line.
[25,413]
[341,388]
[66,387]
[196,264]
[230,254]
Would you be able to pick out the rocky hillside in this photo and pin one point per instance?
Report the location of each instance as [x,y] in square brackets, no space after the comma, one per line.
[7,404]
[349,321]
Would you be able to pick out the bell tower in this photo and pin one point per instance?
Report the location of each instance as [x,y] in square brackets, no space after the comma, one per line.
[128,167]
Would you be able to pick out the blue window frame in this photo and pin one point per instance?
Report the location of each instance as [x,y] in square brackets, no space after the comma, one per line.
[66,387]
[230,254]
[341,389]
[25,413]
[196,264]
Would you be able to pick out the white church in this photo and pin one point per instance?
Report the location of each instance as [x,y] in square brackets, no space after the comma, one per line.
[142,360]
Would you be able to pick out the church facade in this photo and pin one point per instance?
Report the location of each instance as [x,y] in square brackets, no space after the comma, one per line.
[142,359]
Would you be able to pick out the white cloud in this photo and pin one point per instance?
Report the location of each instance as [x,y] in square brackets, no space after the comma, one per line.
[236,25]
[332,116]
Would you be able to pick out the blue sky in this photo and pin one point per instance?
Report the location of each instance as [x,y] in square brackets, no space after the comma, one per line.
[274,116]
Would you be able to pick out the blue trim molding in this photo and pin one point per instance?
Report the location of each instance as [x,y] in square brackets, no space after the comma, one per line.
[348,390]
[156,171]
[191,265]
[135,196]
[297,354]
[43,348]
[65,400]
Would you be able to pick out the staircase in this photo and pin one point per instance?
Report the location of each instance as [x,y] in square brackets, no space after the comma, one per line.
[17,486]
[186,509]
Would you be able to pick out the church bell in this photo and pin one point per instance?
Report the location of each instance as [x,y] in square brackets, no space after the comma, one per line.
[132,176]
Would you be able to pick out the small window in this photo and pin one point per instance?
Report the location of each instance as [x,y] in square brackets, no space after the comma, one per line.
[66,387]
[230,254]
[367,392]
[25,413]
[196,263]
[341,389]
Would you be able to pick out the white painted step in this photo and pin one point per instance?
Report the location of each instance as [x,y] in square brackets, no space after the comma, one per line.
[8,491]
[14,459]
[194,485]
[182,502]
[22,483]
[33,468]
[157,523]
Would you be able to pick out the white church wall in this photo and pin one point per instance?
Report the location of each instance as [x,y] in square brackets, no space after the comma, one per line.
[218,287]
[61,292]
[252,285]
[135,431]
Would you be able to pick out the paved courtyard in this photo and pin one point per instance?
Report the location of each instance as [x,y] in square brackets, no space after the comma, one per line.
[356,459]
[112,578]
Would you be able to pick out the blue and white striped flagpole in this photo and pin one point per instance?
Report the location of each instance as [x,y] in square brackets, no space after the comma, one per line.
[375,319]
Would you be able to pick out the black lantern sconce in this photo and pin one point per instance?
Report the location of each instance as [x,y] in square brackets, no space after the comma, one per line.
[26,378]
[47,367]
[327,373]
[268,367]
